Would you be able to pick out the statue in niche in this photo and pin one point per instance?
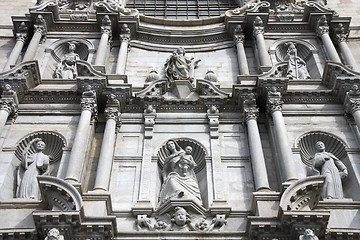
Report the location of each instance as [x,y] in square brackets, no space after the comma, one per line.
[296,65]
[180,220]
[180,67]
[179,179]
[66,69]
[32,165]
[54,234]
[308,235]
[327,164]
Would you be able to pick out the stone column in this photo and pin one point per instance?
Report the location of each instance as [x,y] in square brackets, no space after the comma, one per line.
[322,31]
[286,160]
[241,56]
[251,113]
[258,32]
[124,47]
[103,173]
[103,45]
[346,52]
[78,151]
[39,33]
[21,38]
[8,105]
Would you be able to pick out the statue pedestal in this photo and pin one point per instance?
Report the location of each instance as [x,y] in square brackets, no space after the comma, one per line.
[190,205]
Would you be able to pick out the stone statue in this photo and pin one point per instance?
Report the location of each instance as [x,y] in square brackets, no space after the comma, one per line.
[327,164]
[308,235]
[296,66]
[180,220]
[54,234]
[67,66]
[187,162]
[177,182]
[32,165]
[180,67]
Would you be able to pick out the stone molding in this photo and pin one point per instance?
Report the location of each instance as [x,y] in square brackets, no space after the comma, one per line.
[60,195]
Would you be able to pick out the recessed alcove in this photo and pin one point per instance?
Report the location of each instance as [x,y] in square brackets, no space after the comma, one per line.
[198,154]
[55,143]
[335,146]
[305,50]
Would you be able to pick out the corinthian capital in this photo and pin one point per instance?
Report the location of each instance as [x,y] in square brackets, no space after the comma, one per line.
[125,33]
[251,113]
[239,36]
[341,33]
[112,113]
[352,100]
[258,26]
[9,105]
[21,37]
[112,110]
[106,25]
[40,25]
[274,102]
[322,26]
[22,32]
[249,107]
[89,104]
[88,100]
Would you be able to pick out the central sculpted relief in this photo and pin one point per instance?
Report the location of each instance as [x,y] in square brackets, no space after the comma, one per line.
[179,179]
[180,67]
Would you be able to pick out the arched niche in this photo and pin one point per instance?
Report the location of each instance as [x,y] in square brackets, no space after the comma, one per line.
[335,145]
[306,51]
[55,144]
[198,153]
[84,48]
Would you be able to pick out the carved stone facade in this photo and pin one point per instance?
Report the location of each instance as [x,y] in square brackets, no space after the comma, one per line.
[120,125]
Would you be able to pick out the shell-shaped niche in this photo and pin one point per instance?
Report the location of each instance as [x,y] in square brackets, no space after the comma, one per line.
[198,152]
[63,47]
[307,142]
[302,51]
[54,144]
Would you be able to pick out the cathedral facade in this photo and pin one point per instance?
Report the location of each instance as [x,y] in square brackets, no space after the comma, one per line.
[212,119]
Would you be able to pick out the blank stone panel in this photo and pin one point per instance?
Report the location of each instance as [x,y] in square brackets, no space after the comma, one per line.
[129,145]
[234,145]
[123,185]
[238,186]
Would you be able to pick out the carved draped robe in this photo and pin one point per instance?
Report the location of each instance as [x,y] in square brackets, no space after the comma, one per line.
[330,166]
[176,185]
[32,166]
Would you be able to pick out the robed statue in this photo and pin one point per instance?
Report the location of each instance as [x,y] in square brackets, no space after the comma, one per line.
[180,67]
[66,69]
[32,165]
[179,179]
[333,169]
[296,65]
